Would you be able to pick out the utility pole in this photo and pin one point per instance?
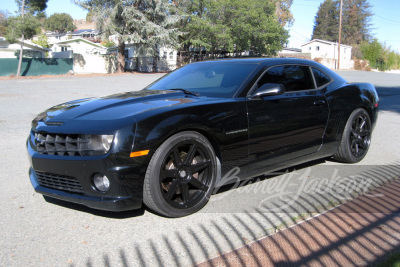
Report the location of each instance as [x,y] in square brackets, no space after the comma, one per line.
[340,33]
[21,52]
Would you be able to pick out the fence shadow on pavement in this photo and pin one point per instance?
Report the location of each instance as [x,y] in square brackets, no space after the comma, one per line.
[360,232]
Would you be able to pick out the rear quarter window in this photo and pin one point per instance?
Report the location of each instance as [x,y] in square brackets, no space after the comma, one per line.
[320,78]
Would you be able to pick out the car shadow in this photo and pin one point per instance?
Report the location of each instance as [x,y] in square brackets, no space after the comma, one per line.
[256,179]
[100,213]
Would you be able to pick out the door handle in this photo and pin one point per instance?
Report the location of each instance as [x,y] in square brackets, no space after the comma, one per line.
[319,102]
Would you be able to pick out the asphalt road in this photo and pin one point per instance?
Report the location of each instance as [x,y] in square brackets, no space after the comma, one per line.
[35,232]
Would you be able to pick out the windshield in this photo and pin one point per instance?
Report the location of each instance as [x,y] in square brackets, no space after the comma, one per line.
[212,78]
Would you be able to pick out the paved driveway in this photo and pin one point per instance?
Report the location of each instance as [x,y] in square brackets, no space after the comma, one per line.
[38,233]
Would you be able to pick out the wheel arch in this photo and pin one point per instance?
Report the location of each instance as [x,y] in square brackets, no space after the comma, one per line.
[152,138]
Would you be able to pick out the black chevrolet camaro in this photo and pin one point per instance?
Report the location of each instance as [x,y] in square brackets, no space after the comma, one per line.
[168,145]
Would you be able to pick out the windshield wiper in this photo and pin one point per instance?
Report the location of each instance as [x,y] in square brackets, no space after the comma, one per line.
[188,92]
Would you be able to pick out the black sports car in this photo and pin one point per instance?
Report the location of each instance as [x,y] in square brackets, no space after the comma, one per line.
[168,145]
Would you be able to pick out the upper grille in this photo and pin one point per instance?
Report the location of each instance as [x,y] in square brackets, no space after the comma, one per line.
[60,182]
[63,144]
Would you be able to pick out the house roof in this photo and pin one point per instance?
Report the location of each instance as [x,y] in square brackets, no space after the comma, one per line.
[85,31]
[27,44]
[325,42]
[81,40]
[55,34]
[39,47]
[292,49]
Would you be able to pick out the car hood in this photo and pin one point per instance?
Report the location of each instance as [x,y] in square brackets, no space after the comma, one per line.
[115,107]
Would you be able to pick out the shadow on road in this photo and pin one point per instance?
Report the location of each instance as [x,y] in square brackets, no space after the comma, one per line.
[333,241]
[100,213]
[389,98]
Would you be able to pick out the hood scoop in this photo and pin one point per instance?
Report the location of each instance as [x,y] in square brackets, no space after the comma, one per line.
[53,123]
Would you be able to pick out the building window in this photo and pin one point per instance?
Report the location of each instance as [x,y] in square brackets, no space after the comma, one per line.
[317,48]
[309,48]
[64,48]
[171,55]
[126,52]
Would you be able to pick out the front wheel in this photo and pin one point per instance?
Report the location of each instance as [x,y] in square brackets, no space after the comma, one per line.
[180,176]
[356,137]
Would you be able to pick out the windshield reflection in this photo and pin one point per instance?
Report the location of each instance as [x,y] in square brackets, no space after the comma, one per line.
[215,79]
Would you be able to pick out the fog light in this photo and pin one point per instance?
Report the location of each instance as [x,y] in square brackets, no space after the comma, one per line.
[101,182]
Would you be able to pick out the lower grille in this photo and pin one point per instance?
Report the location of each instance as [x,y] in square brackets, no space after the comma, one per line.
[59,182]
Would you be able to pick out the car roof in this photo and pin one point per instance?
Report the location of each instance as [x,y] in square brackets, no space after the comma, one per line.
[270,62]
[263,61]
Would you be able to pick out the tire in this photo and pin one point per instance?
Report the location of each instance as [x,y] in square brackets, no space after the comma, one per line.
[181,175]
[356,137]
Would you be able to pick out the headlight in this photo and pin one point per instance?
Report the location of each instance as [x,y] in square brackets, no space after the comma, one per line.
[98,144]
[101,143]
[40,116]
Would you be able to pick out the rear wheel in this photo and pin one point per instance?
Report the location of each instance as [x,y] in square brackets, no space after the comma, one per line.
[356,137]
[181,175]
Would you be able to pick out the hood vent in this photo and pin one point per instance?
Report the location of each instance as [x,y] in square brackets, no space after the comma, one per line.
[54,123]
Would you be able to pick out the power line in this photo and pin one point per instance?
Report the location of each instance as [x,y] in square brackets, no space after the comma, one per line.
[387,19]
[299,34]
[295,4]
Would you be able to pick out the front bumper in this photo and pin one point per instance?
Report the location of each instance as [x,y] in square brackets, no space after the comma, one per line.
[100,203]
[125,175]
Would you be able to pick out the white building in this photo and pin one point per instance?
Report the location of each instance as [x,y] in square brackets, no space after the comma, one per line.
[326,52]
[135,59]
[66,49]
[54,37]
[287,50]
[8,50]
[90,35]
[88,57]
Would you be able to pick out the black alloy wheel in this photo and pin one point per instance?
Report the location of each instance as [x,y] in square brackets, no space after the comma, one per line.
[360,137]
[356,138]
[181,175]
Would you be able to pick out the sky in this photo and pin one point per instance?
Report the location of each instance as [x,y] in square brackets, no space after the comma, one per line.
[385,21]
[53,6]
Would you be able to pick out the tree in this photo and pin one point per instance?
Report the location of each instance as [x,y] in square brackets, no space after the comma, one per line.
[25,26]
[42,40]
[149,23]
[285,17]
[380,56]
[41,15]
[32,6]
[60,22]
[326,26]
[3,22]
[356,21]
[233,26]
[28,26]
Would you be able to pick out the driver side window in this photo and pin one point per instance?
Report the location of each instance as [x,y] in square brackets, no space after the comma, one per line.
[293,77]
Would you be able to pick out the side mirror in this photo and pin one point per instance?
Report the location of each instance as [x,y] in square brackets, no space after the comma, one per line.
[268,89]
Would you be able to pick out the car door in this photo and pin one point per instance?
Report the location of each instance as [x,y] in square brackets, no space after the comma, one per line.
[286,126]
